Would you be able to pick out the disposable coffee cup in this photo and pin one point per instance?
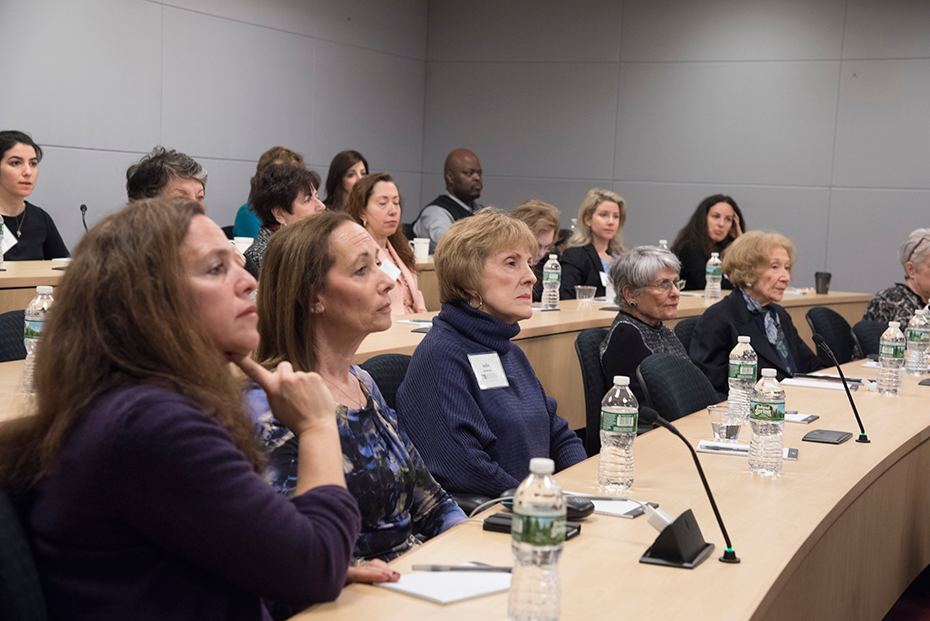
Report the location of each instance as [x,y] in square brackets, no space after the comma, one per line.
[822,282]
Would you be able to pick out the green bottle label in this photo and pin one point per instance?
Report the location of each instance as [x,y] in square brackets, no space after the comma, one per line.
[33,329]
[552,276]
[619,422]
[714,270]
[892,351]
[537,530]
[742,371]
[918,336]
[770,412]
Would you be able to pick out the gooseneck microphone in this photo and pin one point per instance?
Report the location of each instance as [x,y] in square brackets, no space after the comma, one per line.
[822,344]
[649,415]
[83,218]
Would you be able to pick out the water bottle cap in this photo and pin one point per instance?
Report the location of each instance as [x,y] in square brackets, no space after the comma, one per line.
[542,465]
[621,380]
[553,256]
[920,311]
[714,255]
[743,339]
[44,290]
[663,242]
[769,372]
[894,324]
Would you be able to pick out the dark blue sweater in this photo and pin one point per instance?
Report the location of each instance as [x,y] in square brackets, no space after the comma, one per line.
[474,440]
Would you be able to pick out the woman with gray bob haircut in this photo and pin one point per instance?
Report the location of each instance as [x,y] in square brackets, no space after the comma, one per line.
[899,302]
[648,289]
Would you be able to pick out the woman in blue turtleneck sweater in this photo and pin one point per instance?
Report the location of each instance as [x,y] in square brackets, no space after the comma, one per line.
[471,402]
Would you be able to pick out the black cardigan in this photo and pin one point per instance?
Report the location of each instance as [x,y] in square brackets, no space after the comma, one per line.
[716,332]
[580,266]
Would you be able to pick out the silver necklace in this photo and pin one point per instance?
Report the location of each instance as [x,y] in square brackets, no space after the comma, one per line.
[19,223]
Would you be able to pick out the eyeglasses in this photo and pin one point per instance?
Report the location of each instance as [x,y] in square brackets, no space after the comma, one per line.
[667,285]
[915,249]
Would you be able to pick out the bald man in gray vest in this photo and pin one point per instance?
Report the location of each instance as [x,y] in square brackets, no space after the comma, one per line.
[462,173]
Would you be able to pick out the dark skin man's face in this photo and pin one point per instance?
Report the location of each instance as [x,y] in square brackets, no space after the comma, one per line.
[464,178]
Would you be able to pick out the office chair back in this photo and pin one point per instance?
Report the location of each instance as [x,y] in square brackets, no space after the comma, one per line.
[11,336]
[388,371]
[673,386]
[21,597]
[836,332]
[684,330]
[588,348]
[869,335]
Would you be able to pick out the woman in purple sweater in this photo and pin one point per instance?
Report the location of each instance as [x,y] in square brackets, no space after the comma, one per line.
[142,463]
[470,401]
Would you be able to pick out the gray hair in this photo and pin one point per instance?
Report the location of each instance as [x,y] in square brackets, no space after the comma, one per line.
[148,176]
[916,248]
[639,267]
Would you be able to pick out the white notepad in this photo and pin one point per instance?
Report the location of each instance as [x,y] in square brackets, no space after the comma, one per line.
[446,587]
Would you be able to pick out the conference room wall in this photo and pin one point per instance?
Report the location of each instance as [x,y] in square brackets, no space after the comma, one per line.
[753,99]
[98,83]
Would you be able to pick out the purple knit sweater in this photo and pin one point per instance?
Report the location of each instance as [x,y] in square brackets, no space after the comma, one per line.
[152,513]
[473,440]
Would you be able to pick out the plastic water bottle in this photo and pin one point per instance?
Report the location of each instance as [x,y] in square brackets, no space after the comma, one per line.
[552,278]
[537,535]
[714,273]
[663,244]
[741,379]
[891,359]
[918,341]
[619,417]
[767,417]
[32,330]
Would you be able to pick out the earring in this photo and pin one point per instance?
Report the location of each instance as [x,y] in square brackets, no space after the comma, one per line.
[364,222]
[631,303]
[480,302]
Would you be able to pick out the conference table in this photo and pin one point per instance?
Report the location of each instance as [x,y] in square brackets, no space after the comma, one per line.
[839,535]
[19,279]
[548,338]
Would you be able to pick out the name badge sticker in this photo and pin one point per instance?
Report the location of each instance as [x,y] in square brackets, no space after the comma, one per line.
[390,269]
[488,370]
[604,278]
[8,240]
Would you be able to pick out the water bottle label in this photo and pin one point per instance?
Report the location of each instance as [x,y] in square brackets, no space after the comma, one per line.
[552,276]
[623,422]
[892,351]
[537,530]
[714,270]
[918,336]
[32,329]
[742,371]
[760,410]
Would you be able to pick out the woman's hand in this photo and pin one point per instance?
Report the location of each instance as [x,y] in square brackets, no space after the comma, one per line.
[299,400]
[369,572]
[736,230]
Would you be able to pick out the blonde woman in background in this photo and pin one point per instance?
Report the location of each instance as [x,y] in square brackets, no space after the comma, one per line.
[597,241]
[543,220]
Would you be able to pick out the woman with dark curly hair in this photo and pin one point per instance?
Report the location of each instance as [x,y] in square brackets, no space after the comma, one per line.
[713,226]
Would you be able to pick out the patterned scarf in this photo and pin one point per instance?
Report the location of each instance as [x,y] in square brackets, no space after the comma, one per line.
[773,331]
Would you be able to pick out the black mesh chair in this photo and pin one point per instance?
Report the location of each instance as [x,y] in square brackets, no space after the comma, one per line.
[673,386]
[836,332]
[684,330]
[21,596]
[869,335]
[588,348]
[11,336]
[388,371]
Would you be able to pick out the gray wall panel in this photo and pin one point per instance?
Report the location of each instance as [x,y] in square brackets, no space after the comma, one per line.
[670,30]
[883,130]
[227,187]
[233,90]
[369,102]
[541,31]
[759,123]
[866,229]
[82,74]
[537,120]
[887,29]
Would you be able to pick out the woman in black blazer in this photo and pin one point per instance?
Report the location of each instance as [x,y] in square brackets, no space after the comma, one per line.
[597,241]
[759,266]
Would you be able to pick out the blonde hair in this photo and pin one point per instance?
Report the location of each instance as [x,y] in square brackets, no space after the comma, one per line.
[537,215]
[583,235]
[463,249]
[744,259]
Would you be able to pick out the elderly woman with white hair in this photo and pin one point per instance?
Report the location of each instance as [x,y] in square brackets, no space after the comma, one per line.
[899,302]
[647,287]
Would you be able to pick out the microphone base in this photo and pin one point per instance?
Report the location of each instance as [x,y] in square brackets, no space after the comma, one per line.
[864,439]
[680,544]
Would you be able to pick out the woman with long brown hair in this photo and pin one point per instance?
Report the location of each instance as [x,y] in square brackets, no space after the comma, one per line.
[376,204]
[142,462]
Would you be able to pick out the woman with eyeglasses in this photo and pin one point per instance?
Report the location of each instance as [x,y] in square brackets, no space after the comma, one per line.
[899,302]
[647,288]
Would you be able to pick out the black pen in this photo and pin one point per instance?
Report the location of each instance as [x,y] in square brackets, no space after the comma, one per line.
[460,568]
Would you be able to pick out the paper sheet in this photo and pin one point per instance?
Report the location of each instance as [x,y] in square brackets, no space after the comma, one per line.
[446,587]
